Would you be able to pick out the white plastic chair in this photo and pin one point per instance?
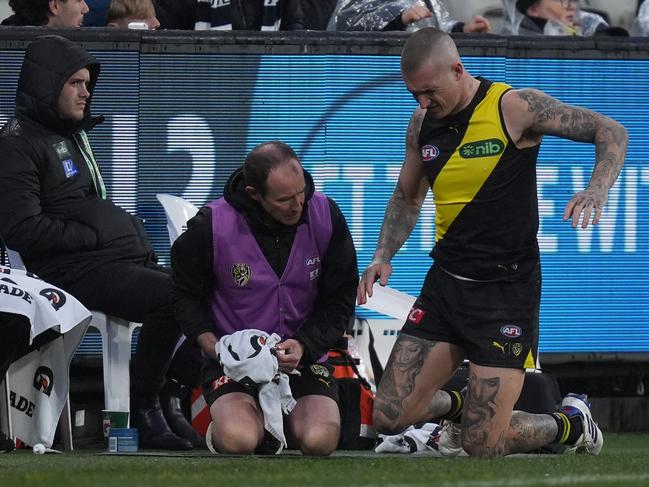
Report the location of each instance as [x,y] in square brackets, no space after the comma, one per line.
[178,211]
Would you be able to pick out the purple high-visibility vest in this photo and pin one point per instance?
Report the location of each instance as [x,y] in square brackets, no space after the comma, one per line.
[248,293]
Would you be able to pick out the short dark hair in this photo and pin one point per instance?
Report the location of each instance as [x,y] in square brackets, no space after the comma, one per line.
[425,45]
[262,159]
[31,12]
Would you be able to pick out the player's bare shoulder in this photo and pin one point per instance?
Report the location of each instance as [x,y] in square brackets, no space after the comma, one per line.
[414,128]
[520,109]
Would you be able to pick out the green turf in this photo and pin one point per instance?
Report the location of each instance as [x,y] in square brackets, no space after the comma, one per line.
[624,461]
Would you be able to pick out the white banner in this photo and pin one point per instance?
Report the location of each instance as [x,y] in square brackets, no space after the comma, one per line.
[39,381]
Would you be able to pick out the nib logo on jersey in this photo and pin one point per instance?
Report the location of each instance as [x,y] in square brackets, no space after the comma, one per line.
[482,148]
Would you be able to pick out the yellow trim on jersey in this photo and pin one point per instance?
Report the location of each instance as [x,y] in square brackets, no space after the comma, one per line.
[461,178]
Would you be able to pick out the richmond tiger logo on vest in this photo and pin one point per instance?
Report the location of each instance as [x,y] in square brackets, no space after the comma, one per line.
[241,274]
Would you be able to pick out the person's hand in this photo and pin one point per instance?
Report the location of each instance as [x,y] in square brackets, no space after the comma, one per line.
[413,14]
[289,353]
[207,341]
[477,24]
[585,202]
[377,270]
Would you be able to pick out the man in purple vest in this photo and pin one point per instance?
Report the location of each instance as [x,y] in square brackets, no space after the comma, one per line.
[275,255]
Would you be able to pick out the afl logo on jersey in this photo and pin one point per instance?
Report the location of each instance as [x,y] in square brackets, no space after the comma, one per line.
[429,152]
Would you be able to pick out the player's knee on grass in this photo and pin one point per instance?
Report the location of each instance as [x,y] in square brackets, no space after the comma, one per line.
[235,438]
[320,440]
[478,447]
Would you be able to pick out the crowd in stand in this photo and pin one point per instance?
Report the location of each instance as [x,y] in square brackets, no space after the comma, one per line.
[520,17]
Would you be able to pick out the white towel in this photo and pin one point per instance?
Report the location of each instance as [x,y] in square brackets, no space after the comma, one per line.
[39,381]
[248,357]
[412,440]
[45,306]
[431,438]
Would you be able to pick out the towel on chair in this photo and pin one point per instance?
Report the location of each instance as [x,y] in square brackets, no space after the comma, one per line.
[39,381]
[248,357]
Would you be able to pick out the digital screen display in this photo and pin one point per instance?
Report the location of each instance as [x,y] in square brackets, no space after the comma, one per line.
[181,123]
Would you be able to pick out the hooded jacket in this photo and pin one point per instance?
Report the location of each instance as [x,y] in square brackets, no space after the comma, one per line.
[50,209]
[194,281]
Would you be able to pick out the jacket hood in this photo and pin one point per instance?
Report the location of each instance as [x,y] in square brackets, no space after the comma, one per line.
[236,195]
[49,62]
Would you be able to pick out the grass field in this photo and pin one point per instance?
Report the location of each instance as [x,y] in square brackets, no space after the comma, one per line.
[624,461]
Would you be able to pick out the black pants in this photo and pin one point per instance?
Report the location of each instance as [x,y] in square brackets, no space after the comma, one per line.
[14,340]
[141,294]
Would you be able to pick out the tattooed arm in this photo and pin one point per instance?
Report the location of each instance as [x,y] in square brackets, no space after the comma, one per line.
[530,114]
[401,212]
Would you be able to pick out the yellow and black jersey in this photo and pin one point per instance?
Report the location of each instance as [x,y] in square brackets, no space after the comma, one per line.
[486,208]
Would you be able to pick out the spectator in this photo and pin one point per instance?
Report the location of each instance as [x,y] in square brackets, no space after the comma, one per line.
[55,212]
[52,13]
[170,14]
[384,15]
[249,15]
[557,17]
[132,14]
[277,241]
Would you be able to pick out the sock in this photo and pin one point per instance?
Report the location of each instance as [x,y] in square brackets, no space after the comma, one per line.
[569,428]
[457,401]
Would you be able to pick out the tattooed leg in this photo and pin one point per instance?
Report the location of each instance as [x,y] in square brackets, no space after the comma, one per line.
[415,371]
[528,432]
[490,398]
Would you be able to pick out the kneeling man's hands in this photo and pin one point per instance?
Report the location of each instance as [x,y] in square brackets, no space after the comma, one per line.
[289,354]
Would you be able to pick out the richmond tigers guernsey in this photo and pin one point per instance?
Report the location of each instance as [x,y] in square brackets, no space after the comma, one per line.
[486,208]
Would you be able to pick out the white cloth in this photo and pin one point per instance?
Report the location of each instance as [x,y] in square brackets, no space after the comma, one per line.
[410,441]
[39,381]
[248,357]
[45,306]
[429,438]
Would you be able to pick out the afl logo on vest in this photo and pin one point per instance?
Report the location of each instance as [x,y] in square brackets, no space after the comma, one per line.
[241,274]
[429,152]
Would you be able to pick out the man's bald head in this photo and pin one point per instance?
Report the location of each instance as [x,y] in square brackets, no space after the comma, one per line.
[428,45]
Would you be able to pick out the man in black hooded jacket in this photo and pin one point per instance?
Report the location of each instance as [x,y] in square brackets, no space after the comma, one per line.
[54,211]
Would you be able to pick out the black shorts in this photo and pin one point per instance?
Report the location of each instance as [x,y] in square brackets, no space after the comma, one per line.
[495,322]
[316,379]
